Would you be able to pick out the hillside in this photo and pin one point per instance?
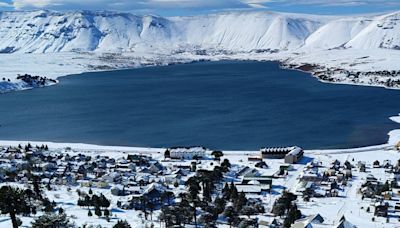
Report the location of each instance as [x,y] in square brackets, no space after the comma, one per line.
[46,31]
[78,41]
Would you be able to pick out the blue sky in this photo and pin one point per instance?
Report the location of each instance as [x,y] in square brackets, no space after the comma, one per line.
[191,7]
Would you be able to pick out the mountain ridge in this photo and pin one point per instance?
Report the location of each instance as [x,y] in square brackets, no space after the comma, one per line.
[46,31]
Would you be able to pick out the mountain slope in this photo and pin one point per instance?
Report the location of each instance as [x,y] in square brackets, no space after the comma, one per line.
[47,32]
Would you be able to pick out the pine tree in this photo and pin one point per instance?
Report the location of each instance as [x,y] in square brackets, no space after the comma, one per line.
[241,201]
[122,224]
[230,214]
[52,220]
[97,211]
[234,191]
[13,202]
[226,192]
[107,214]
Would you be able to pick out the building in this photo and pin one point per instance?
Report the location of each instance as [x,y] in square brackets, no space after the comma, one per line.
[294,155]
[275,152]
[186,152]
[249,189]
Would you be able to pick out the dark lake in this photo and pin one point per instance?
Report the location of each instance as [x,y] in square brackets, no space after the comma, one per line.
[221,105]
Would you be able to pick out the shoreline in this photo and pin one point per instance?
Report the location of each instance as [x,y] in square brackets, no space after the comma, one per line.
[394,135]
[394,139]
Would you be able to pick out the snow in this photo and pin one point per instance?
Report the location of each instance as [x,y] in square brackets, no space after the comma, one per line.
[55,44]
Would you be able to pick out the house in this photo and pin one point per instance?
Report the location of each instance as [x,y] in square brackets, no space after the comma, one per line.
[381,210]
[308,221]
[376,164]
[265,183]
[397,207]
[343,223]
[254,158]
[248,188]
[186,152]
[294,156]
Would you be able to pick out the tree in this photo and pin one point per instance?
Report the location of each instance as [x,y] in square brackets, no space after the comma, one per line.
[167,154]
[226,192]
[234,191]
[97,211]
[219,205]
[194,189]
[14,202]
[122,224]
[207,219]
[107,214]
[217,154]
[36,186]
[104,202]
[226,165]
[248,210]
[292,215]
[231,215]
[241,201]
[52,220]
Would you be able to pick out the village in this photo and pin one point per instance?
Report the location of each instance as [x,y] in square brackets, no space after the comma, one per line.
[198,187]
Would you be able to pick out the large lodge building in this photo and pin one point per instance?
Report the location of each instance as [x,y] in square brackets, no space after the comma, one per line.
[290,154]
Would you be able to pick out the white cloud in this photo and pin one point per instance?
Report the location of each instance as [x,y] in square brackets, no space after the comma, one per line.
[6,5]
[127,4]
[213,5]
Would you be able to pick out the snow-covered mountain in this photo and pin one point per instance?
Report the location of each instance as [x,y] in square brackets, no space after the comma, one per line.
[47,31]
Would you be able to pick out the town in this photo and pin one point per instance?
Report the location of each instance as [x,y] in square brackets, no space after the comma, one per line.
[198,187]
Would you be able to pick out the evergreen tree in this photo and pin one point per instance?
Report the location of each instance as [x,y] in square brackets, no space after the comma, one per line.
[234,191]
[52,220]
[122,224]
[13,202]
[230,215]
[226,192]
[241,201]
[292,215]
[217,154]
[107,214]
[97,211]
[219,205]
[104,202]
[248,210]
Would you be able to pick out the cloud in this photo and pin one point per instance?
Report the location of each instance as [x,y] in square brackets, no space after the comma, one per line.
[6,5]
[166,6]
[126,4]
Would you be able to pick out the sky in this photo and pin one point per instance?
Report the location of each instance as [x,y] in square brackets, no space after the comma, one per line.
[193,7]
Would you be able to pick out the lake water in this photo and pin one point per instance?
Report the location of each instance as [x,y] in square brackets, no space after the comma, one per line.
[221,105]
